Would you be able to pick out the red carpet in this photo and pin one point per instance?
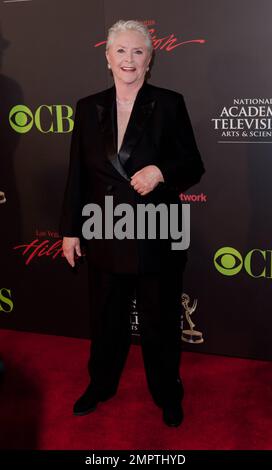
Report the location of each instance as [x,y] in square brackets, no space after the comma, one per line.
[227,403]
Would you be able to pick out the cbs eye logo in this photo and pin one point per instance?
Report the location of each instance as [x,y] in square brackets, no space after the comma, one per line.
[228,261]
[46,118]
[257,263]
[6,302]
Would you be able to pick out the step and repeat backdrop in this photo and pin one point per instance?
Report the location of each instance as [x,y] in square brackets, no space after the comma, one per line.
[216,53]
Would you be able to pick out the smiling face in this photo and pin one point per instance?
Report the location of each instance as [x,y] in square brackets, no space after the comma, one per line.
[128,57]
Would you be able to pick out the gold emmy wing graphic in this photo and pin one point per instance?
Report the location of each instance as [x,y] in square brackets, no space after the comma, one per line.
[2,197]
[191,335]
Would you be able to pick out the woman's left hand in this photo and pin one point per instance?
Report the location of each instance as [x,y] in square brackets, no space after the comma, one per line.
[146,179]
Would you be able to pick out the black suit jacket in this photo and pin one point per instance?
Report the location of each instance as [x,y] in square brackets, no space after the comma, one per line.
[159,133]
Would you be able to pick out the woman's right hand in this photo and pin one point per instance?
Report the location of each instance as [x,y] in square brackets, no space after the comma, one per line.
[70,246]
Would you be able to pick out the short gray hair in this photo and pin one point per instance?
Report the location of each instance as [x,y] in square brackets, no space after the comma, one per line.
[129,25]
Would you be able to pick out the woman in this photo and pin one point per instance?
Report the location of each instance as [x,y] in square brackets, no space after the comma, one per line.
[133,142]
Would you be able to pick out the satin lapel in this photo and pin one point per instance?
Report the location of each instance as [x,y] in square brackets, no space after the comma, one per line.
[140,114]
[107,115]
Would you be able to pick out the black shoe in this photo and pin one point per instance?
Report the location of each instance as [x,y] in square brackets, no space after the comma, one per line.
[168,394]
[89,401]
[172,414]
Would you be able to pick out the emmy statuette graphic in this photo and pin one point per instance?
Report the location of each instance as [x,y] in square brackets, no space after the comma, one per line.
[191,335]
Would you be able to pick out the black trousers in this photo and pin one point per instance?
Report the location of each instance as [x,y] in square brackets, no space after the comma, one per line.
[158,300]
